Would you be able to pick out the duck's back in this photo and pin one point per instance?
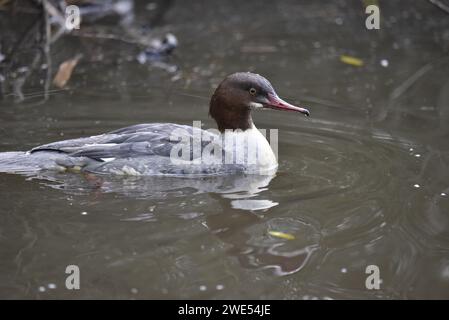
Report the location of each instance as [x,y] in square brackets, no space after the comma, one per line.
[144,149]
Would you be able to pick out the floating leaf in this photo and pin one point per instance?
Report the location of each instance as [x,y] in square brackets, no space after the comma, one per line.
[282,235]
[3,4]
[351,60]
[65,71]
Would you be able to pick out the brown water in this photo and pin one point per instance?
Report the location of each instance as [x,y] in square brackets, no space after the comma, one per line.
[364,181]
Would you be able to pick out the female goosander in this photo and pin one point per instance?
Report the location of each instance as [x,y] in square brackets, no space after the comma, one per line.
[172,149]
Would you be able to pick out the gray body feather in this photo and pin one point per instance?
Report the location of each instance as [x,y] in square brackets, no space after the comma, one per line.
[142,149]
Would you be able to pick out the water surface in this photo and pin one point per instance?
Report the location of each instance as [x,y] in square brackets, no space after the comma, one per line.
[364,181]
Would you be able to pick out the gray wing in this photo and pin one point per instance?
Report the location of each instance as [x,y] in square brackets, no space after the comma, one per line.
[134,141]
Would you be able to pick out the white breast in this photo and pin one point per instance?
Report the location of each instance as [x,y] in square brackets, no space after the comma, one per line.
[252,149]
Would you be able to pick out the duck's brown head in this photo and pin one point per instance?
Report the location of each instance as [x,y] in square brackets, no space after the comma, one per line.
[241,92]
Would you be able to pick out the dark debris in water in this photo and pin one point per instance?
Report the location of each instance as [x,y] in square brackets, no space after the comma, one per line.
[32,54]
[158,52]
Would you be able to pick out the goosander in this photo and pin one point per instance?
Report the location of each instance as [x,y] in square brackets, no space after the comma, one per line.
[154,149]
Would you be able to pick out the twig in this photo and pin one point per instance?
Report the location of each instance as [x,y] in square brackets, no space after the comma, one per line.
[20,81]
[408,83]
[22,40]
[109,37]
[416,76]
[399,91]
[46,47]
[51,10]
[440,5]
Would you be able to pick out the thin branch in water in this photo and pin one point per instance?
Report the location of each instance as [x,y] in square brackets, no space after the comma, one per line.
[52,11]
[20,81]
[46,47]
[108,37]
[399,91]
[192,95]
[22,40]
[36,94]
[440,5]
[407,84]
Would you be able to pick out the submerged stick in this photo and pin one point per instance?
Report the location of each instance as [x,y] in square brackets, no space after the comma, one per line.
[46,47]
[440,5]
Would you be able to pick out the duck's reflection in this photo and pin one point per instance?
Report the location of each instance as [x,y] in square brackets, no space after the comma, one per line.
[242,222]
[241,219]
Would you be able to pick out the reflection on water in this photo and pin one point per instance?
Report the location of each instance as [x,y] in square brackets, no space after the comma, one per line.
[363,181]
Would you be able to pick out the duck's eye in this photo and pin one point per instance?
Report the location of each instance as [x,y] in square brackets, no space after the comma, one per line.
[253,91]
